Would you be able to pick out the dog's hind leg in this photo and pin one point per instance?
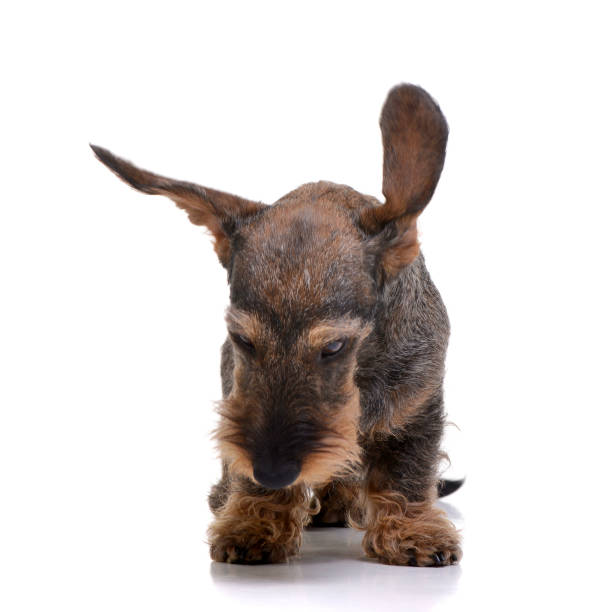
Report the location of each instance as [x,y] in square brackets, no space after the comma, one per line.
[340,505]
[338,500]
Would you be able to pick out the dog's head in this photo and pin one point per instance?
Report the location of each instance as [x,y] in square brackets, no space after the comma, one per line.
[306,277]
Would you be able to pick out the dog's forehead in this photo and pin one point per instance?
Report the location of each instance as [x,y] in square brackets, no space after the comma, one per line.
[304,254]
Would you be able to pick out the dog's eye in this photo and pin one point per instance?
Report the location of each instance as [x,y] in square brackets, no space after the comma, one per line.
[333,348]
[243,341]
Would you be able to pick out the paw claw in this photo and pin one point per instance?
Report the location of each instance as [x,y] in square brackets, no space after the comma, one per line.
[255,552]
[439,558]
[438,548]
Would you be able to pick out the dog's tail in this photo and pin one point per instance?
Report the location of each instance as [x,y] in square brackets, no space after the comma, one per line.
[446,487]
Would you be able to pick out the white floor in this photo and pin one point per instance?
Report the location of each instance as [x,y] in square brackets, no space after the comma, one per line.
[333,574]
[145,550]
[505,567]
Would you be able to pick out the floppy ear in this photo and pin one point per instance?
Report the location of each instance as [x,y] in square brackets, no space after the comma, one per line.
[414,134]
[220,212]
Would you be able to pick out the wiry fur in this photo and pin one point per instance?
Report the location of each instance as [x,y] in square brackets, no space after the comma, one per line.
[258,526]
[325,267]
[399,532]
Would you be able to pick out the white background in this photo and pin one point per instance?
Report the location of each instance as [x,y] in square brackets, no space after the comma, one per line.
[112,303]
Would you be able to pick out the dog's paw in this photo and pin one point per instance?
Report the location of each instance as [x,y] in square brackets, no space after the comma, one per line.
[252,549]
[414,543]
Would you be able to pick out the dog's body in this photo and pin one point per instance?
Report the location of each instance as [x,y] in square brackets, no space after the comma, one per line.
[333,368]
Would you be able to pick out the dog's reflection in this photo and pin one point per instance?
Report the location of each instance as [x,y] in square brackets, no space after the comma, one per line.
[333,569]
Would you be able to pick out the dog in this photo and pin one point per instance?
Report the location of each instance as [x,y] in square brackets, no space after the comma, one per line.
[332,371]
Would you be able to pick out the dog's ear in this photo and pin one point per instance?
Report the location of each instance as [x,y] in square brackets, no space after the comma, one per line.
[220,212]
[414,134]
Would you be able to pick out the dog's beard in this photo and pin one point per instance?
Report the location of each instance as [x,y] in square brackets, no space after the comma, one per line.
[333,453]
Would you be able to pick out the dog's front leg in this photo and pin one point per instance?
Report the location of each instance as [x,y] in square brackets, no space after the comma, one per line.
[257,525]
[402,525]
[401,532]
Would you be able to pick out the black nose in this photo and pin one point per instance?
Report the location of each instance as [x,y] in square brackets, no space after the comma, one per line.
[275,475]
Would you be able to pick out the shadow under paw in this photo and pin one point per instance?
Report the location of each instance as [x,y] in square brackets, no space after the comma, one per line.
[258,552]
[326,519]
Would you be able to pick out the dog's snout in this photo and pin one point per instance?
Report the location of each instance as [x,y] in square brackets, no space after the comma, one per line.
[275,474]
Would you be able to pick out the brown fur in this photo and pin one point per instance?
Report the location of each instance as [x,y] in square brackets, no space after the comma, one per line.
[256,527]
[340,454]
[333,366]
[399,532]
[241,322]
[337,236]
[327,331]
[340,503]
[414,135]
[404,408]
[403,249]
[204,206]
